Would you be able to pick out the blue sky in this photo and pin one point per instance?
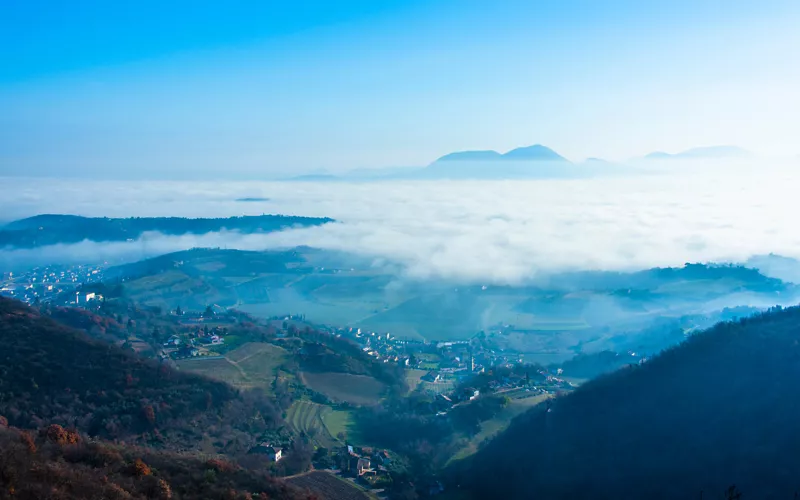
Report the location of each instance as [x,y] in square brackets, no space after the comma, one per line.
[265,88]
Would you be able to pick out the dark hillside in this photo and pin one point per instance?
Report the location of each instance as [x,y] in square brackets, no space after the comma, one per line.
[56,464]
[53,229]
[52,374]
[720,409]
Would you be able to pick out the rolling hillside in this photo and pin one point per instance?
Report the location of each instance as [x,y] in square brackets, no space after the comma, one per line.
[52,374]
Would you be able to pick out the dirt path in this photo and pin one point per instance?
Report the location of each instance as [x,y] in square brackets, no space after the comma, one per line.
[248,356]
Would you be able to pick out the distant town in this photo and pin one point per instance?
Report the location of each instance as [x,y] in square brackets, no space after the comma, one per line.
[46,283]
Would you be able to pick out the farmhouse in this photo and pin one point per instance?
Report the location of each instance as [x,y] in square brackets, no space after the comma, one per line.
[363,467]
[274,453]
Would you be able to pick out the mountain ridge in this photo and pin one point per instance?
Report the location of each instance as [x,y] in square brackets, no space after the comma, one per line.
[535,152]
[51,229]
[703,152]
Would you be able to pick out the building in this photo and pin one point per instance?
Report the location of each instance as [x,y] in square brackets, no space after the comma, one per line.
[173,341]
[363,467]
[186,352]
[274,453]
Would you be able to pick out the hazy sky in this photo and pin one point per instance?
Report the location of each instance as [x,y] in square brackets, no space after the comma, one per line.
[264,88]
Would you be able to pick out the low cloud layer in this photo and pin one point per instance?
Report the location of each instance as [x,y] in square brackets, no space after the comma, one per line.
[469,231]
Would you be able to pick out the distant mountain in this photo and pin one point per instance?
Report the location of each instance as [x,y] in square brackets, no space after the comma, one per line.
[719,410]
[252,199]
[472,156]
[776,266]
[535,161]
[43,230]
[537,152]
[708,152]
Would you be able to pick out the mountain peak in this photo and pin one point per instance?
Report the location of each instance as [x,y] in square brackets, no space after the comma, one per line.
[537,152]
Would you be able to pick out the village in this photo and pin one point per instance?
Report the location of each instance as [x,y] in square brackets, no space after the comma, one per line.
[47,283]
[444,367]
[448,364]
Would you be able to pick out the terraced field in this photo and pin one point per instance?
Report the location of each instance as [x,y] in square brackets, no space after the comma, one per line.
[307,417]
[323,424]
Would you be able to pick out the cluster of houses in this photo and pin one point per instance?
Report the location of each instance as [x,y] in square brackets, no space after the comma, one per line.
[46,283]
[368,464]
[192,344]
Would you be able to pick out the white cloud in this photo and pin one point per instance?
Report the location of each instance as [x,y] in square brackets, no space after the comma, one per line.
[500,232]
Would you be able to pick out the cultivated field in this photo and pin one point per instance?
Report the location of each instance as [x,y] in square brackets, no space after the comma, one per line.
[414,378]
[253,364]
[354,389]
[330,486]
[305,416]
[259,361]
[323,424]
[341,421]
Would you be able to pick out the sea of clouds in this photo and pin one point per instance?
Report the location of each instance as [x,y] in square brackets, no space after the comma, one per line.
[503,232]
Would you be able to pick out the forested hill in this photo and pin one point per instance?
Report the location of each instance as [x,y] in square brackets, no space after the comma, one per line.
[43,230]
[56,463]
[720,410]
[52,374]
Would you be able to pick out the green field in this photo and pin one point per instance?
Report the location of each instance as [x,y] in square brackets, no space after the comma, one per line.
[414,378]
[323,424]
[253,364]
[498,424]
[174,280]
[354,389]
[218,369]
[305,416]
[342,421]
[259,361]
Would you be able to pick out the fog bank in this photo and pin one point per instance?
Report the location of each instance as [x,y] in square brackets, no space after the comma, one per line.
[502,232]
